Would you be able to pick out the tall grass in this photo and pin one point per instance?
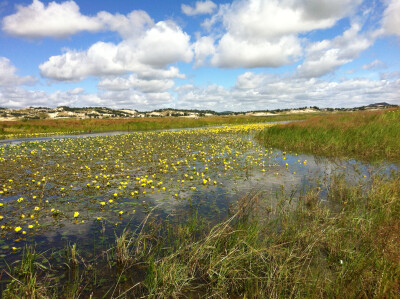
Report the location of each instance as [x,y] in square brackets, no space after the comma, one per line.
[134,124]
[364,135]
[301,249]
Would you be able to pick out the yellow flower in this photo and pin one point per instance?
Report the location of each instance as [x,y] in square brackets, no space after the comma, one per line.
[18,228]
[52,210]
[121,212]
[76,214]
[102,203]
[110,200]
[36,209]
[30,226]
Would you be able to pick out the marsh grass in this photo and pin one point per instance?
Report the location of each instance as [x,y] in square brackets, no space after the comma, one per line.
[24,280]
[365,135]
[27,127]
[301,250]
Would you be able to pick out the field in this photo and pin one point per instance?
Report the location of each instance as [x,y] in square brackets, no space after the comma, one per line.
[34,128]
[306,209]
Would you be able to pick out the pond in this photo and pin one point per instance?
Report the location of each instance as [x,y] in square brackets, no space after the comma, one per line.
[87,190]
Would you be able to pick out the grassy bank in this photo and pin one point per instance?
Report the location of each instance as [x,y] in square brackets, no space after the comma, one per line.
[308,251]
[371,135]
[26,127]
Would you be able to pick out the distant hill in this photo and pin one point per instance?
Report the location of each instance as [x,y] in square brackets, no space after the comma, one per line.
[384,104]
[104,112]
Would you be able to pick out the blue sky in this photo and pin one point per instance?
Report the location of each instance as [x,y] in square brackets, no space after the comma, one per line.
[221,55]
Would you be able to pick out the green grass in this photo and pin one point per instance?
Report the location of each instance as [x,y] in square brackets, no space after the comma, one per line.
[297,249]
[363,135]
[49,126]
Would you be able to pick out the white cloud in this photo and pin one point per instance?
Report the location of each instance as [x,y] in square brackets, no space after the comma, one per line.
[260,33]
[251,92]
[276,92]
[132,82]
[327,55]
[203,48]
[55,20]
[249,80]
[60,20]
[17,97]
[391,18]
[8,76]
[130,26]
[233,52]
[201,7]
[147,54]
[376,64]
[256,19]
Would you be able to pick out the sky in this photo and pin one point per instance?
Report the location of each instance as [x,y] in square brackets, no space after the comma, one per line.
[236,55]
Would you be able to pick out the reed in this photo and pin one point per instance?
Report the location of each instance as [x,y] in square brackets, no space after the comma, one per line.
[365,135]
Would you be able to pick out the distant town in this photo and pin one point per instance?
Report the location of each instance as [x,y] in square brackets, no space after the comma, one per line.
[63,112]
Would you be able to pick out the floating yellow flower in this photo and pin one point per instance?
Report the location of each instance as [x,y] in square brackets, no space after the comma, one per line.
[76,214]
[121,212]
[102,203]
[36,208]
[18,228]
[30,226]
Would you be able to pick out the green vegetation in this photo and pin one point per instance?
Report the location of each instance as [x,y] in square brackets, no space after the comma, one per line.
[35,126]
[296,249]
[373,135]
[142,214]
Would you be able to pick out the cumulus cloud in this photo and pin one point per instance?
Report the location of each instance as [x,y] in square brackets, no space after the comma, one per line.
[147,54]
[60,20]
[391,18]
[256,19]
[203,48]
[251,92]
[54,20]
[276,92]
[201,7]
[130,26]
[376,64]
[8,76]
[132,82]
[259,33]
[17,97]
[249,80]
[233,52]
[325,56]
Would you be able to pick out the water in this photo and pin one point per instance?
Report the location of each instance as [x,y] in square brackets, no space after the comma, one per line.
[114,179]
